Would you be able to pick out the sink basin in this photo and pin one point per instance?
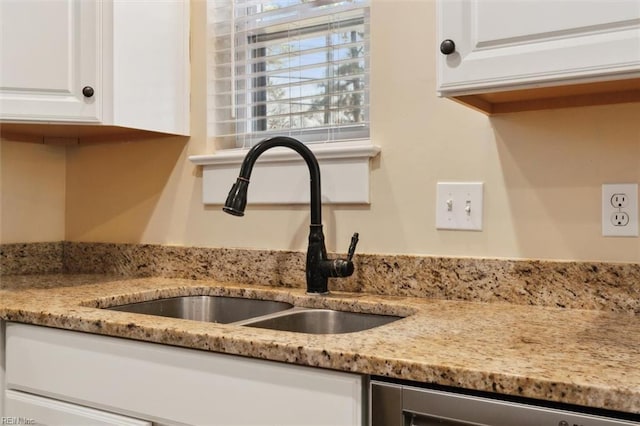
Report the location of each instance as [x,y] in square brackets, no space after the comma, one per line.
[323,321]
[219,309]
[267,314]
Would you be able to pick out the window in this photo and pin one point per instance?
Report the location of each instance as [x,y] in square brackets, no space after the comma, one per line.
[296,68]
[288,67]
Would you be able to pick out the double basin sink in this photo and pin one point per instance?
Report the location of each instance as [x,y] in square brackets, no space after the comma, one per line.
[267,314]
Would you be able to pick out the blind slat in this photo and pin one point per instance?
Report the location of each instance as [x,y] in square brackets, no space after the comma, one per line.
[298,74]
[224,56]
[264,14]
[294,99]
[351,130]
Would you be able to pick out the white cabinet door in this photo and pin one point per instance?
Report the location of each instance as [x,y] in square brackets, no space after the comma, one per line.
[514,44]
[132,56]
[24,408]
[49,53]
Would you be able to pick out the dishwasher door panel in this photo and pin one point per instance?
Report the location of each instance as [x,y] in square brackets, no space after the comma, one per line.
[421,420]
[404,405]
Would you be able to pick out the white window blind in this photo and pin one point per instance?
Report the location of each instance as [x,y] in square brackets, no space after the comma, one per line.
[288,67]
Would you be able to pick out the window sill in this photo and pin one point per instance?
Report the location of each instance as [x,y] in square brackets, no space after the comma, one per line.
[280,175]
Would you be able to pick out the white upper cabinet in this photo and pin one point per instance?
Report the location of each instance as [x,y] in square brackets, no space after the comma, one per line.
[503,45]
[49,53]
[100,62]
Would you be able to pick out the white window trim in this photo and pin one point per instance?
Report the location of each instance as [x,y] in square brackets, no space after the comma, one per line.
[280,175]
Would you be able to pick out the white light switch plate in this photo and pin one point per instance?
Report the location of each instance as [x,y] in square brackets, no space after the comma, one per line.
[459,205]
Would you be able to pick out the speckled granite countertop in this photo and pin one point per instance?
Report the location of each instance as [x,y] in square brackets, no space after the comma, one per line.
[582,357]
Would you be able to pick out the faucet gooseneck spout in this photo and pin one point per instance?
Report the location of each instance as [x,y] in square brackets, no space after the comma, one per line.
[318,268]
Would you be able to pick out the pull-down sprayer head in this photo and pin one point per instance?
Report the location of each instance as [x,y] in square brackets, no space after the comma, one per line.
[237,198]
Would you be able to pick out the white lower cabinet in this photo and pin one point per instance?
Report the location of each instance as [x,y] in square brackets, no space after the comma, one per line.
[2,367]
[24,408]
[50,369]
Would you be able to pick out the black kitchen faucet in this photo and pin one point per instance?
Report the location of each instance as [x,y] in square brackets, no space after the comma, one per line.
[318,268]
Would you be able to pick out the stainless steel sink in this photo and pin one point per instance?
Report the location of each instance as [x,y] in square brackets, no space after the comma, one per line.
[322,321]
[221,309]
[267,314]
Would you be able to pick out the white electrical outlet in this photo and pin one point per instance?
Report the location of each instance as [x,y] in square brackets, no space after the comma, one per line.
[620,210]
[459,205]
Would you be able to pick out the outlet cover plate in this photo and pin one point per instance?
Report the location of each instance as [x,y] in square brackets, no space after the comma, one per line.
[459,205]
[620,200]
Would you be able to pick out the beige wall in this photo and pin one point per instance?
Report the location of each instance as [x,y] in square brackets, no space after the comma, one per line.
[32,192]
[542,170]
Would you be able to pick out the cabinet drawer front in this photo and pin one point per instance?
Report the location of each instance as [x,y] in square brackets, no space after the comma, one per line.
[169,384]
[50,412]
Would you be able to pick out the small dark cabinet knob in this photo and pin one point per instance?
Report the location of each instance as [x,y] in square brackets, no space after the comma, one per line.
[87,91]
[447,47]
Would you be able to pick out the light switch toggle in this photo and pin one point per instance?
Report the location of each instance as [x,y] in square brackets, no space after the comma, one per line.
[459,205]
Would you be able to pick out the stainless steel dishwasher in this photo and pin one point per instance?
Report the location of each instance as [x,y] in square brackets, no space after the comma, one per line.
[395,404]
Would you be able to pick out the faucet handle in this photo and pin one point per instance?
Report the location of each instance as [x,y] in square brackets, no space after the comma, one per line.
[340,267]
[352,246]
